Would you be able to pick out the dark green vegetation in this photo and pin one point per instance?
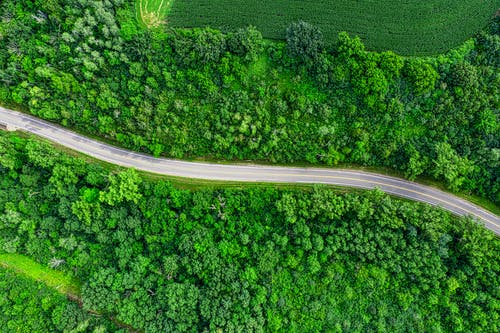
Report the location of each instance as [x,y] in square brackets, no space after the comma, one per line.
[164,259]
[200,93]
[408,27]
[27,306]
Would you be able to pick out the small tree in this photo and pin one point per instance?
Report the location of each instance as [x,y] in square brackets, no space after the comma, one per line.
[304,41]
[464,75]
[421,75]
[348,48]
[209,45]
[246,43]
[450,166]
[123,187]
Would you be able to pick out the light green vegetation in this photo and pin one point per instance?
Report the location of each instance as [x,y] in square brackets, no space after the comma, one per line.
[152,13]
[57,280]
[407,27]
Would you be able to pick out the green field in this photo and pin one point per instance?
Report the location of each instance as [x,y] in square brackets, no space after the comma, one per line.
[52,278]
[152,13]
[410,27]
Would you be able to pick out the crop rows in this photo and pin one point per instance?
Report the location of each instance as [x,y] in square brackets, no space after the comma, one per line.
[412,27]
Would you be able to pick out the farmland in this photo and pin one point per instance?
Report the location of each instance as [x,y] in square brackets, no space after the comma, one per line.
[410,27]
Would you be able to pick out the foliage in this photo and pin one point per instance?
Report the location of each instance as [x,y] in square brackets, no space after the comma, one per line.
[255,260]
[304,41]
[246,43]
[451,166]
[31,307]
[421,75]
[123,187]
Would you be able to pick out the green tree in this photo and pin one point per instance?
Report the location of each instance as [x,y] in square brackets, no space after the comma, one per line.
[209,45]
[304,41]
[123,187]
[391,64]
[417,164]
[421,75]
[450,166]
[464,75]
[349,48]
[246,43]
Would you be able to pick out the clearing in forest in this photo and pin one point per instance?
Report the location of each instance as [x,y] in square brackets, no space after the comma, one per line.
[411,27]
[152,13]
[52,278]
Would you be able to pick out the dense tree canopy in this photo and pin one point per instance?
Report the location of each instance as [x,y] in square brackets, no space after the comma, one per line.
[27,306]
[160,258]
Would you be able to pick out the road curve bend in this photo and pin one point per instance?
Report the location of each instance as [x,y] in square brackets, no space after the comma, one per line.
[14,120]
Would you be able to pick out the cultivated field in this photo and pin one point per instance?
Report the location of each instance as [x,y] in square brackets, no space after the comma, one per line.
[408,27]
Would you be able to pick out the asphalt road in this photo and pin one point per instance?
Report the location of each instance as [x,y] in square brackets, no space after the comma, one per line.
[247,173]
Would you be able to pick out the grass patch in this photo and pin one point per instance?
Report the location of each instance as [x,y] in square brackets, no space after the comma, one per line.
[152,13]
[52,278]
[260,67]
[411,27]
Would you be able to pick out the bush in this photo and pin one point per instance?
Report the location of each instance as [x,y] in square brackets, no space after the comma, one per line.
[246,43]
[421,75]
[304,41]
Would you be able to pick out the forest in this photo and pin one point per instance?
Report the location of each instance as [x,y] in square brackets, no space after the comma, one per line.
[162,258]
[203,94]
[27,306]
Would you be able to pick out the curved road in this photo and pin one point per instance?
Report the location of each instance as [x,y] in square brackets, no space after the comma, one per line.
[247,173]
